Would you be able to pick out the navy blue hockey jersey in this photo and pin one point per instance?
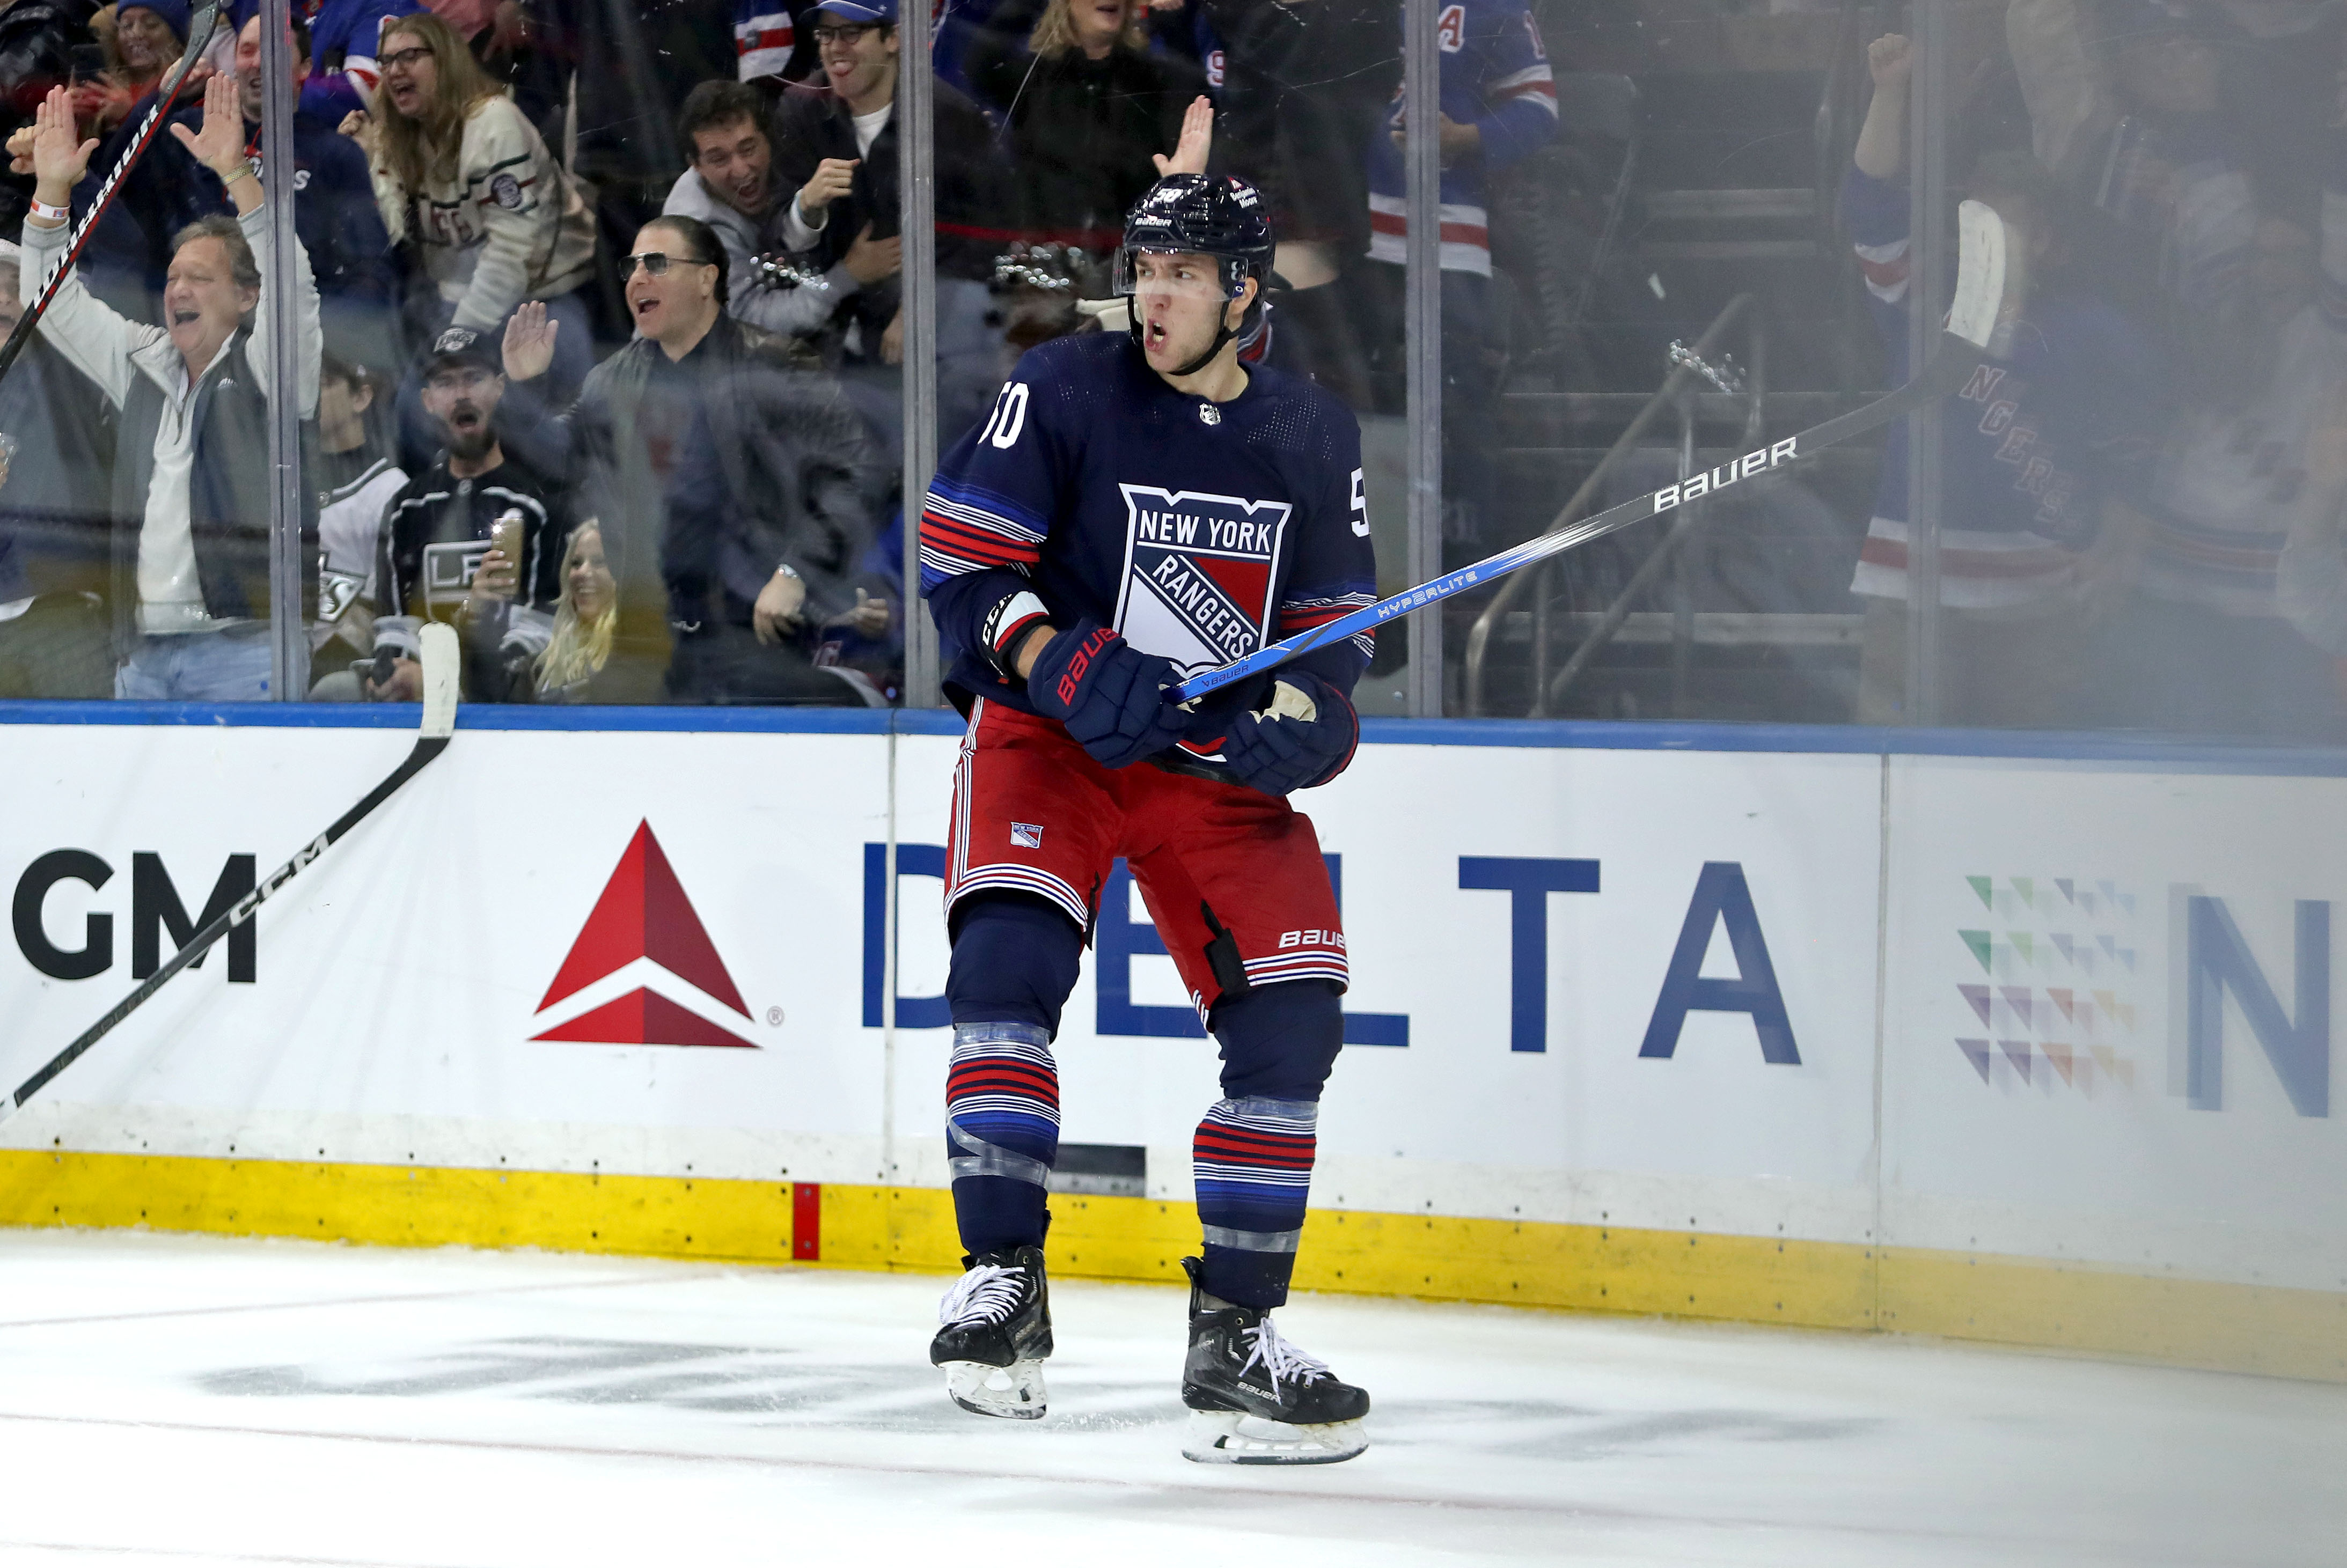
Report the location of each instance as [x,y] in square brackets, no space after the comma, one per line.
[1200,531]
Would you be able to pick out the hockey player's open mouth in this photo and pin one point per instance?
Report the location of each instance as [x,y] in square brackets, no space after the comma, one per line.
[1152,334]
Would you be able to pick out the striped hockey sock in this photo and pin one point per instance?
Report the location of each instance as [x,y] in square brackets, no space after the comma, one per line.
[1252,1159]
[1002,1132]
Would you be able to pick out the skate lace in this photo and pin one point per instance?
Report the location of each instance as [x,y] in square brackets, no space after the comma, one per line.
[987,1294]
[1278,1358]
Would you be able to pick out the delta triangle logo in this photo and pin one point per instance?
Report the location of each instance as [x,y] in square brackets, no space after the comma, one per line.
[643,914]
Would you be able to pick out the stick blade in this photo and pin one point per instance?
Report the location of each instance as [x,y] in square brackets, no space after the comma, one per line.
[439,679]
[1980,273]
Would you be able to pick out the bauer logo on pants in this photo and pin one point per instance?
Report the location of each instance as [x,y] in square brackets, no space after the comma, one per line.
[644,914]
[1199,574]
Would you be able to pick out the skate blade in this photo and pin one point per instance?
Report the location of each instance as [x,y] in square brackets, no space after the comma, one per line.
[1234,1437]
[1014,1392]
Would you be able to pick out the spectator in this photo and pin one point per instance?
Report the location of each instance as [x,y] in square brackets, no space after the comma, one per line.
[345,67]
[355,477]
[55,450]
[38,42]
[732,186]
[148,40]
[2203,645]
[461,177]
[335,213]
[630,64]
[1304,88]
[1087,106]
[2059,421]
[2129,114]
[765,38]
[436,560]
[334,209]
[1497,102]
[192,460]
[585,619]
[836,146]
[742,482]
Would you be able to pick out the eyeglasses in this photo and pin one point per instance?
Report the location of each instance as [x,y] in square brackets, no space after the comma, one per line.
[404,58]
[657,262]
[850,34]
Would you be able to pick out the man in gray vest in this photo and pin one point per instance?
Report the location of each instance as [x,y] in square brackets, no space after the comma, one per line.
[192,455]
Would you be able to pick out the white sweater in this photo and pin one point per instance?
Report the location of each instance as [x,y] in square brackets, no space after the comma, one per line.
[509,227]
[112,350]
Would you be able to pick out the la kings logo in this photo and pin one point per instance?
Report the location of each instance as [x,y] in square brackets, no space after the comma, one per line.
[1200,572]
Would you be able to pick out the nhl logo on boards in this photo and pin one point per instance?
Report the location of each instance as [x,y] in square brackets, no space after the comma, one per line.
[1209,414]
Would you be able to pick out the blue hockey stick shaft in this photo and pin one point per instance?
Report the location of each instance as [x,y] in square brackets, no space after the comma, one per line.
[1949,367]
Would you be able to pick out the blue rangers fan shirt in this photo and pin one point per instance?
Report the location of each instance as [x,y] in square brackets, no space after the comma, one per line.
[1200,531]
[1495,76]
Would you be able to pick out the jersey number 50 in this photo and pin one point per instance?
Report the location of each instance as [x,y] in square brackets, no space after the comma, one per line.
[1010,416]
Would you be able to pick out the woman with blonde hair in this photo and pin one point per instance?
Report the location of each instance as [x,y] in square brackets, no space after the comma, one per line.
[463,179]
[586,619]
[1087,107]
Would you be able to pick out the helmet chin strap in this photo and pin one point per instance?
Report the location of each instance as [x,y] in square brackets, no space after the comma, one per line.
[1223,333]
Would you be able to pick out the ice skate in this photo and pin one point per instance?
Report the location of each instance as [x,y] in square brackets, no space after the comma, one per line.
[997,1329]
[1255,1399]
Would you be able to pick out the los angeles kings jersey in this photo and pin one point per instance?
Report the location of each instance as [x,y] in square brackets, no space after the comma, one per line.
[1200,531]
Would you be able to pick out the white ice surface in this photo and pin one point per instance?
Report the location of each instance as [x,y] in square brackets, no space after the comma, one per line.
[182,1402]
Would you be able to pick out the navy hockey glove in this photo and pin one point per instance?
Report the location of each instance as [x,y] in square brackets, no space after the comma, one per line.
[1110,696]
[1304,738]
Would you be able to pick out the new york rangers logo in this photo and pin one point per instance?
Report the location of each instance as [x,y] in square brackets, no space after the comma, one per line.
[1200,574]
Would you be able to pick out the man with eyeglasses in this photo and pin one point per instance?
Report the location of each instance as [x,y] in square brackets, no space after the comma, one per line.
[724,470]
[732,188]
[836,146]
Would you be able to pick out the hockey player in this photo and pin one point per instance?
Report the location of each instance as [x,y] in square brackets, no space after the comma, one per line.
[1140,506]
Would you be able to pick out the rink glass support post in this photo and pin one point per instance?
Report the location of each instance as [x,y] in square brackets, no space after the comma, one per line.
[1423,327]
[1927,152]
[917,223]
[289,651]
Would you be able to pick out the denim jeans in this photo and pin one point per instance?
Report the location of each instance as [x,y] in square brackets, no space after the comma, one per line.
[226,666]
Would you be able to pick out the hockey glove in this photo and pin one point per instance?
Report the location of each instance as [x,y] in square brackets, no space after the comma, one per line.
[1111,697]
[1304,738]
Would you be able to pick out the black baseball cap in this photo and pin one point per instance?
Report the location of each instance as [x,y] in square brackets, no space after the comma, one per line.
[463,346]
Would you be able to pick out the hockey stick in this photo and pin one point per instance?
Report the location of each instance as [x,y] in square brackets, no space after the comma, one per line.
[439,719]
[200,38]
[1979,305]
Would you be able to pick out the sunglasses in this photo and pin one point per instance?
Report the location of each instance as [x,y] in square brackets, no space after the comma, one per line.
[658,262]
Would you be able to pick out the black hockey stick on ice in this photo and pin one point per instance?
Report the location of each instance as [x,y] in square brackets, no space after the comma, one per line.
[1979,302]
[439,719]
[200,37]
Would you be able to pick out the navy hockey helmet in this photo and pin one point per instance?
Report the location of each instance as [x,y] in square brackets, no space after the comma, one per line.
[1219,216]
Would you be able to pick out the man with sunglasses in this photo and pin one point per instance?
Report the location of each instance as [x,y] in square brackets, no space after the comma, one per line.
[835,147]
[734,485]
